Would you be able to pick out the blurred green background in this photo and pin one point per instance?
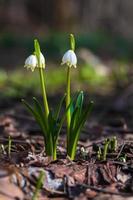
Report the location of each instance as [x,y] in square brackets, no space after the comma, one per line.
[104,47]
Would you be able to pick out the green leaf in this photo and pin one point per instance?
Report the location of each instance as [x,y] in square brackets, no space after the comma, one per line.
[52,123]
[84,116]
[53,127]
[77,111]
[57,113]
[79,104]
[40,112]
[73,120]
[80,99]
[37,117]
[72,107]
[40,120]
[30,108]
[60,124]
[76,131]
[39,184]
[45,126]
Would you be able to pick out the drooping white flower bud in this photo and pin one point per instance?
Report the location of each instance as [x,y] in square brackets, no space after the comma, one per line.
[42,61]
[31,62]
[70,59]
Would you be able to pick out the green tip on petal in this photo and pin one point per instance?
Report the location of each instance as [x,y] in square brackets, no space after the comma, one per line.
[72,42]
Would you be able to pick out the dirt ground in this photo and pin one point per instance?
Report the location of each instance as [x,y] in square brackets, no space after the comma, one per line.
[86,177]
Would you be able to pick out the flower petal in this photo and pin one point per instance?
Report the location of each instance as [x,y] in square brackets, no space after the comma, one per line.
[69,58]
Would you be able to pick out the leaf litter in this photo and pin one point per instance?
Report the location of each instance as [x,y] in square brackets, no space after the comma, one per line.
[84,178]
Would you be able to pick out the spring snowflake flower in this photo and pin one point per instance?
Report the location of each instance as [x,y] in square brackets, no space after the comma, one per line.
[42,60]
[31,62]
[70,58]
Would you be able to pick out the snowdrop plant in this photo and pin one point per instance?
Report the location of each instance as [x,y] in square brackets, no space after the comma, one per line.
[70,60]
[49,121]
[76,116]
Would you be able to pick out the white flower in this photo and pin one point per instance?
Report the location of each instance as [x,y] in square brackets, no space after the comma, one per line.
[31,62]
[42,60]
[70,58]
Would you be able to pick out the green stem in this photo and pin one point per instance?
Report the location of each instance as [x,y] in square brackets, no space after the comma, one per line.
[49,146]
[72,146]
[113,144]
[72,151]
[54,151]
[99,153]
[105,150]
[48,142]
[68,103]
[38,185]
[46,107]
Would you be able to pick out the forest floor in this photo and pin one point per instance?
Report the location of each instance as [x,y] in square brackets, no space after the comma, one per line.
[22,150]
[23,159]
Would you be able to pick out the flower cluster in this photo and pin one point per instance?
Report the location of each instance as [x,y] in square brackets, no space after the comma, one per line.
[69,59]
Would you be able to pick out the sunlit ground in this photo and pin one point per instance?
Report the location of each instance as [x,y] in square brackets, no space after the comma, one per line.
[19,82]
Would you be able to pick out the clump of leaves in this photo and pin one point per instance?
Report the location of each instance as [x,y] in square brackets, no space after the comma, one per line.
[78,119]
[109,146]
